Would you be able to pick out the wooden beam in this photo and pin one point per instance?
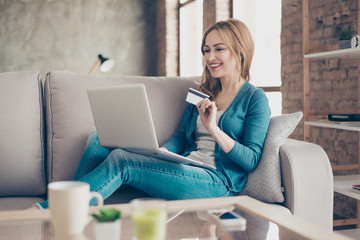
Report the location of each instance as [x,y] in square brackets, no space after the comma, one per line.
[186,3]
[358,107]
[306,87]
[343,222]
[358,100]
[345,167]
[322,48]
[358,214]
[271,89]
[326,112]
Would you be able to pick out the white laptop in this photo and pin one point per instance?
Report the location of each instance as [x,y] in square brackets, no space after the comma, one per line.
[123,120]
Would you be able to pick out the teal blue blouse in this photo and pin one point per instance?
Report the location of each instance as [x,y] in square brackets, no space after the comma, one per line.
[246,120]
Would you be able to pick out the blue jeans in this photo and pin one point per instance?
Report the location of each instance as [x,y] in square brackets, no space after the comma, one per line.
[106,171]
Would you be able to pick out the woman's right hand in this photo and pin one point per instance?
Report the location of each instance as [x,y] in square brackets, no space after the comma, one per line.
[207,111]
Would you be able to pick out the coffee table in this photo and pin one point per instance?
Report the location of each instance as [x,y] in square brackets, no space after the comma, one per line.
[263,222]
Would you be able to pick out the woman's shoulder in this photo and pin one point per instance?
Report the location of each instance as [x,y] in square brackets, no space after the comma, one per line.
[253,88]
[256,100]
[254,92]
[249,97]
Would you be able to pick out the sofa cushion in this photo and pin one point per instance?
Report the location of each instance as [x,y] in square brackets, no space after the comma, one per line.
[264,183]
[69,118]
[21,131]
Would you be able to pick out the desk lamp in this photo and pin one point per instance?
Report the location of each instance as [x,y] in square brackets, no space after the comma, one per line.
[106,64]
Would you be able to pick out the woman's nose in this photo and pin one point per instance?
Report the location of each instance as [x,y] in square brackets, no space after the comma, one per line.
[211,56]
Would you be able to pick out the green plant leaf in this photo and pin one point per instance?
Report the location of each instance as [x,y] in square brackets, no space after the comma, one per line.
[107,215]
[98,218]
[346,34]
[111,214]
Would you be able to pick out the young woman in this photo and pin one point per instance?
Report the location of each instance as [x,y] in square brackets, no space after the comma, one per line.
[227,131]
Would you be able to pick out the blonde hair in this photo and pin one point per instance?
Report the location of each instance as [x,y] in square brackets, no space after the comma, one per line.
[239,40]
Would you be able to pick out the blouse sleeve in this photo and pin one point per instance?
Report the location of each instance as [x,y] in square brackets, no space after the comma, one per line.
[257,118]
[178,142]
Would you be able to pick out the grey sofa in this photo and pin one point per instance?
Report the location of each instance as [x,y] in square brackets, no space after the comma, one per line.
[44,128]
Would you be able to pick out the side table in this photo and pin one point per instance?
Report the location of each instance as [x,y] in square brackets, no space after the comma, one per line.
[343,185]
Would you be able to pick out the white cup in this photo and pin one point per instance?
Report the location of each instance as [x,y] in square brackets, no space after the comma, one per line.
[355,41]
[69,206]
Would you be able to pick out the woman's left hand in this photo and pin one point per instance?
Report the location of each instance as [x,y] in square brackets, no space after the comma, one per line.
[207,110]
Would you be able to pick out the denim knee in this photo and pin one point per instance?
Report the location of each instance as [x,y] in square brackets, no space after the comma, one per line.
[93,137]
[94,154]
[118,157]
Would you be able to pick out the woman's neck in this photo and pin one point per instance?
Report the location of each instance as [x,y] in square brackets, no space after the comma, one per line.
[231,85]
[227,94]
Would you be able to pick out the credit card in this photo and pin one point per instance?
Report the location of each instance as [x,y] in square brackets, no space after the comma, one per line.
[194,96]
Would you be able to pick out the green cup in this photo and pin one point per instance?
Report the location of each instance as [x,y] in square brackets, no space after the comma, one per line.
[149,219]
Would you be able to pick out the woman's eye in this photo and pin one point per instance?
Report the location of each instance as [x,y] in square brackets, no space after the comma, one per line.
[219,49]
[206,50]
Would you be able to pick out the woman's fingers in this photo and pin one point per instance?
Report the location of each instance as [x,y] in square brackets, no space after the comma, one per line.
[207,108]
[204,104]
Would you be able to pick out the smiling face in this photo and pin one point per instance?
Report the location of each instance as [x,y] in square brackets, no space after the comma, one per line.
[219,59]
[228,48]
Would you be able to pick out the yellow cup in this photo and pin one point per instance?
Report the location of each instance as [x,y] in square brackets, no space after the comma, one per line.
[149,219]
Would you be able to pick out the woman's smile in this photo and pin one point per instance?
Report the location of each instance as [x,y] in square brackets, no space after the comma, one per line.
[214,66]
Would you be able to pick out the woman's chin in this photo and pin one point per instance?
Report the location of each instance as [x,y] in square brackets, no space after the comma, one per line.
[215,75]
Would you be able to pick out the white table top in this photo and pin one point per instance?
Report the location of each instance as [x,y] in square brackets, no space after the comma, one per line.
[343,185]
[293,227]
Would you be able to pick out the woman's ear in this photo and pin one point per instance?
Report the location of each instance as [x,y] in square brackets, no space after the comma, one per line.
[242,59]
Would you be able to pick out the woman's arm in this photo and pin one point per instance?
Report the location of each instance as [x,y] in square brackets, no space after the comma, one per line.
[244,150]
[207,111]
[248,149]
[223,140]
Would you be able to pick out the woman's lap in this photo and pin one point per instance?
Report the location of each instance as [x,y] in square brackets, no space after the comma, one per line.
[156,177]
[107,170]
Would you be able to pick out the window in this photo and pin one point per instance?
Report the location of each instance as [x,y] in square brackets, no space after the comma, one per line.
[263,18]
[265,71]
[190,34]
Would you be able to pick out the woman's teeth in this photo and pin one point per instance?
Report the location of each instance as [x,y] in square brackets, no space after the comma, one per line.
[215,65]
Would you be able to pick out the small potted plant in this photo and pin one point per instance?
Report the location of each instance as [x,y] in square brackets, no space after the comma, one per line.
[107,224]
[345,38]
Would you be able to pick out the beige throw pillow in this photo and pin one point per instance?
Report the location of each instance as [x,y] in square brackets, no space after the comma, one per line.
[264,183]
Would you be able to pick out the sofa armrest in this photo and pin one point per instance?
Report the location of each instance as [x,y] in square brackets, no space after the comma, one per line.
[308,180]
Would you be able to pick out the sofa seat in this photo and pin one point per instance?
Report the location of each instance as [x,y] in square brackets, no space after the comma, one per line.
[15,203]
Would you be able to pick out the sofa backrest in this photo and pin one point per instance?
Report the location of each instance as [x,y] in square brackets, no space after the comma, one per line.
[69,118]
[22,132]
